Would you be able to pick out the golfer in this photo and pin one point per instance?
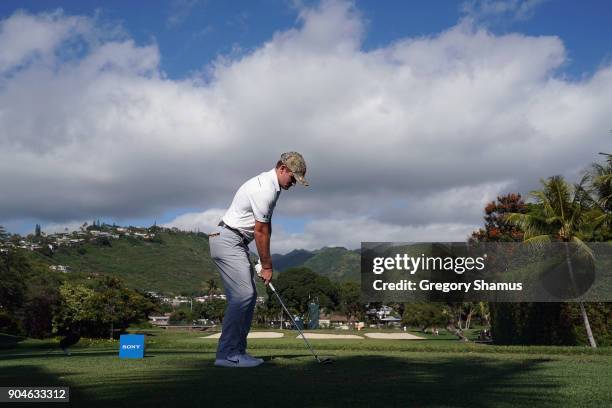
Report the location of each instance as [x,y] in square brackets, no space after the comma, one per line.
[248,217]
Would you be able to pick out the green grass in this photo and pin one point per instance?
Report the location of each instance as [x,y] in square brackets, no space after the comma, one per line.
[440,372]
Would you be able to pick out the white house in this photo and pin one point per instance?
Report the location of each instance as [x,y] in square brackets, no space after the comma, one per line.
[160,320]
[60,268]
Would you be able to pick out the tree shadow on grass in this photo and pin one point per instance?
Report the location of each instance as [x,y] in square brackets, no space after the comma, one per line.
[23,355]
[190,379]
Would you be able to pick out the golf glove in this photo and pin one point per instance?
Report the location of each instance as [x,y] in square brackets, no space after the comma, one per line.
[258,267]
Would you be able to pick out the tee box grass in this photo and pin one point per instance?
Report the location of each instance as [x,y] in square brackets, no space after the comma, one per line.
[178,371]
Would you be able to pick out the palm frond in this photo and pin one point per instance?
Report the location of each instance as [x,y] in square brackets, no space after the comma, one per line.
[583,248]
[601,183]
[537,244]
[542,199]
[604,219]
[531,225]
[539,240]
[559,193]
[582,197]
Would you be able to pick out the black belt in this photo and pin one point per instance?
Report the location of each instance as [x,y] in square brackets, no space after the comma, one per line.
[224,225]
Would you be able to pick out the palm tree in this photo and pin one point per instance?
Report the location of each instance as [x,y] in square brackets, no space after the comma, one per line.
[562,216]
[485,313]
[3,234]
[600,178]
[212,286]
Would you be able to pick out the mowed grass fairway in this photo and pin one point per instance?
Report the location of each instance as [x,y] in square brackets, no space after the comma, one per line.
[437,372]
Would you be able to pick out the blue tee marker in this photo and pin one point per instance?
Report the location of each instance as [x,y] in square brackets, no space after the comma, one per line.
[132,346]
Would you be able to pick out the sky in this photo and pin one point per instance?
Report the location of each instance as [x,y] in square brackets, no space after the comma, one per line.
[411,115]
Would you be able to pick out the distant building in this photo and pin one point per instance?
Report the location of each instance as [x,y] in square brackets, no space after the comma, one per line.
[333,320]
[391,321]
[60,268]
[160,320]
[178,300]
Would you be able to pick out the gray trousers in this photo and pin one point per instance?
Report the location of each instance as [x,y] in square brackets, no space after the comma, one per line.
[230,254]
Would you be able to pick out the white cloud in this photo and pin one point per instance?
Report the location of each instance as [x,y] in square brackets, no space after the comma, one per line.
[180,11]
[483,10]
[69,226]
[205,221]
[349,232]
[406,140]
[26,39]
[410,221]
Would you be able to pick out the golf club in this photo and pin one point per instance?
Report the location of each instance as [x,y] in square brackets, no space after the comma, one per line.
[258,269]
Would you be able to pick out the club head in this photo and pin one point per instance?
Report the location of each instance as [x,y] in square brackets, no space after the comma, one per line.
[325,360]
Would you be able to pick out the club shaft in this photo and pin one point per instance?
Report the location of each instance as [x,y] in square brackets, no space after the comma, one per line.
[293,321]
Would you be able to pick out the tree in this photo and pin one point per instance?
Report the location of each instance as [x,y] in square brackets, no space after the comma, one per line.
[3,234]
[74,309]
[182,315]
[561,216]
[114,307]
[484,313]
[600,185]
[297,285]
[99,310]
[261,314]
[349,293]
[154,228]
[497,228]
[41,302]
[213,309]
[13,269]
[212,286]
[424,315]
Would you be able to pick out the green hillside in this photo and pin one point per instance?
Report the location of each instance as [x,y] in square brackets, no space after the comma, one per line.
[295,258]
[177,262]
[180,262]
[337,263]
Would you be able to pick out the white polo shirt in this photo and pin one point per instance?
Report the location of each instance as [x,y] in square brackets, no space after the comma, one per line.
[254,200]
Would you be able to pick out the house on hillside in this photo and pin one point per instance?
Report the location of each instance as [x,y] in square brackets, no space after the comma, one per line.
[178,300]
[60,268]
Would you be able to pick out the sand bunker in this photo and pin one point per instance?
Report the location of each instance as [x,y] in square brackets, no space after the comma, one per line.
[252,335]
[329,336]
[325,336]
[393,336]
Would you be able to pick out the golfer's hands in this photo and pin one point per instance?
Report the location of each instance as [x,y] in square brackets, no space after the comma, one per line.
[266,275]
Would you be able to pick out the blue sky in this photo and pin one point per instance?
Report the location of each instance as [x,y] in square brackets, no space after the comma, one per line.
[187,99]
[191,33]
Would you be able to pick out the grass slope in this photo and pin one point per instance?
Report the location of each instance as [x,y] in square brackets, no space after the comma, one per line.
[181,262]
[337,263]
[294,258]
